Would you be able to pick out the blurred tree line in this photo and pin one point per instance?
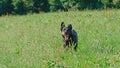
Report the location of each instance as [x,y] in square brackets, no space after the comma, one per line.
[35,6]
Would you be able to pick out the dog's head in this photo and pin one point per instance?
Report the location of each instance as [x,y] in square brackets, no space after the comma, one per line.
[66,31]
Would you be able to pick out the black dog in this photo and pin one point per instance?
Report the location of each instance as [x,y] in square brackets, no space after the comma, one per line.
[69,36]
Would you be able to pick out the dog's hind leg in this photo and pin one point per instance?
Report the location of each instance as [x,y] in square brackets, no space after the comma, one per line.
[75,47]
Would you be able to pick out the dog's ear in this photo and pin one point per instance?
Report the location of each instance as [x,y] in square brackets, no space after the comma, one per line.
[62,25]
[69,26]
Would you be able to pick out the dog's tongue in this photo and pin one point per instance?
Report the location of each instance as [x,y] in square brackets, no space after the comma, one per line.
[63,33]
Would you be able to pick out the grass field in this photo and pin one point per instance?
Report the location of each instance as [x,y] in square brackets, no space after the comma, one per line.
[34,41]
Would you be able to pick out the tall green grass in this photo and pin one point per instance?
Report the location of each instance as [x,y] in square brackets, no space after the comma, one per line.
[34,41]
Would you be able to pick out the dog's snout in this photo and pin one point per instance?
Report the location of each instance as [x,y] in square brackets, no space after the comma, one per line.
[65,36]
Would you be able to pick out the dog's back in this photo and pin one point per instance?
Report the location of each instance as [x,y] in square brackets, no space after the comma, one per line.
[75,37]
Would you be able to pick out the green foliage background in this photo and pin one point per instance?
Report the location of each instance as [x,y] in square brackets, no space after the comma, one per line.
[35,6]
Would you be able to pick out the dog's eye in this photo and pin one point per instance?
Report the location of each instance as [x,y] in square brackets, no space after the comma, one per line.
[64,29]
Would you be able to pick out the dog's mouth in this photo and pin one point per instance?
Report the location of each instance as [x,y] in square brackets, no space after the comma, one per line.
[64,35]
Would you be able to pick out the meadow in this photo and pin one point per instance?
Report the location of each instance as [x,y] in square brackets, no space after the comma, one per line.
[35,41]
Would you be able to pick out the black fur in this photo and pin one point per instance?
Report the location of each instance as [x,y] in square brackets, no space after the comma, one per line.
[69,36]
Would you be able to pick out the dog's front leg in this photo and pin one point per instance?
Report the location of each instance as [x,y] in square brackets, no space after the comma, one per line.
[64,45]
